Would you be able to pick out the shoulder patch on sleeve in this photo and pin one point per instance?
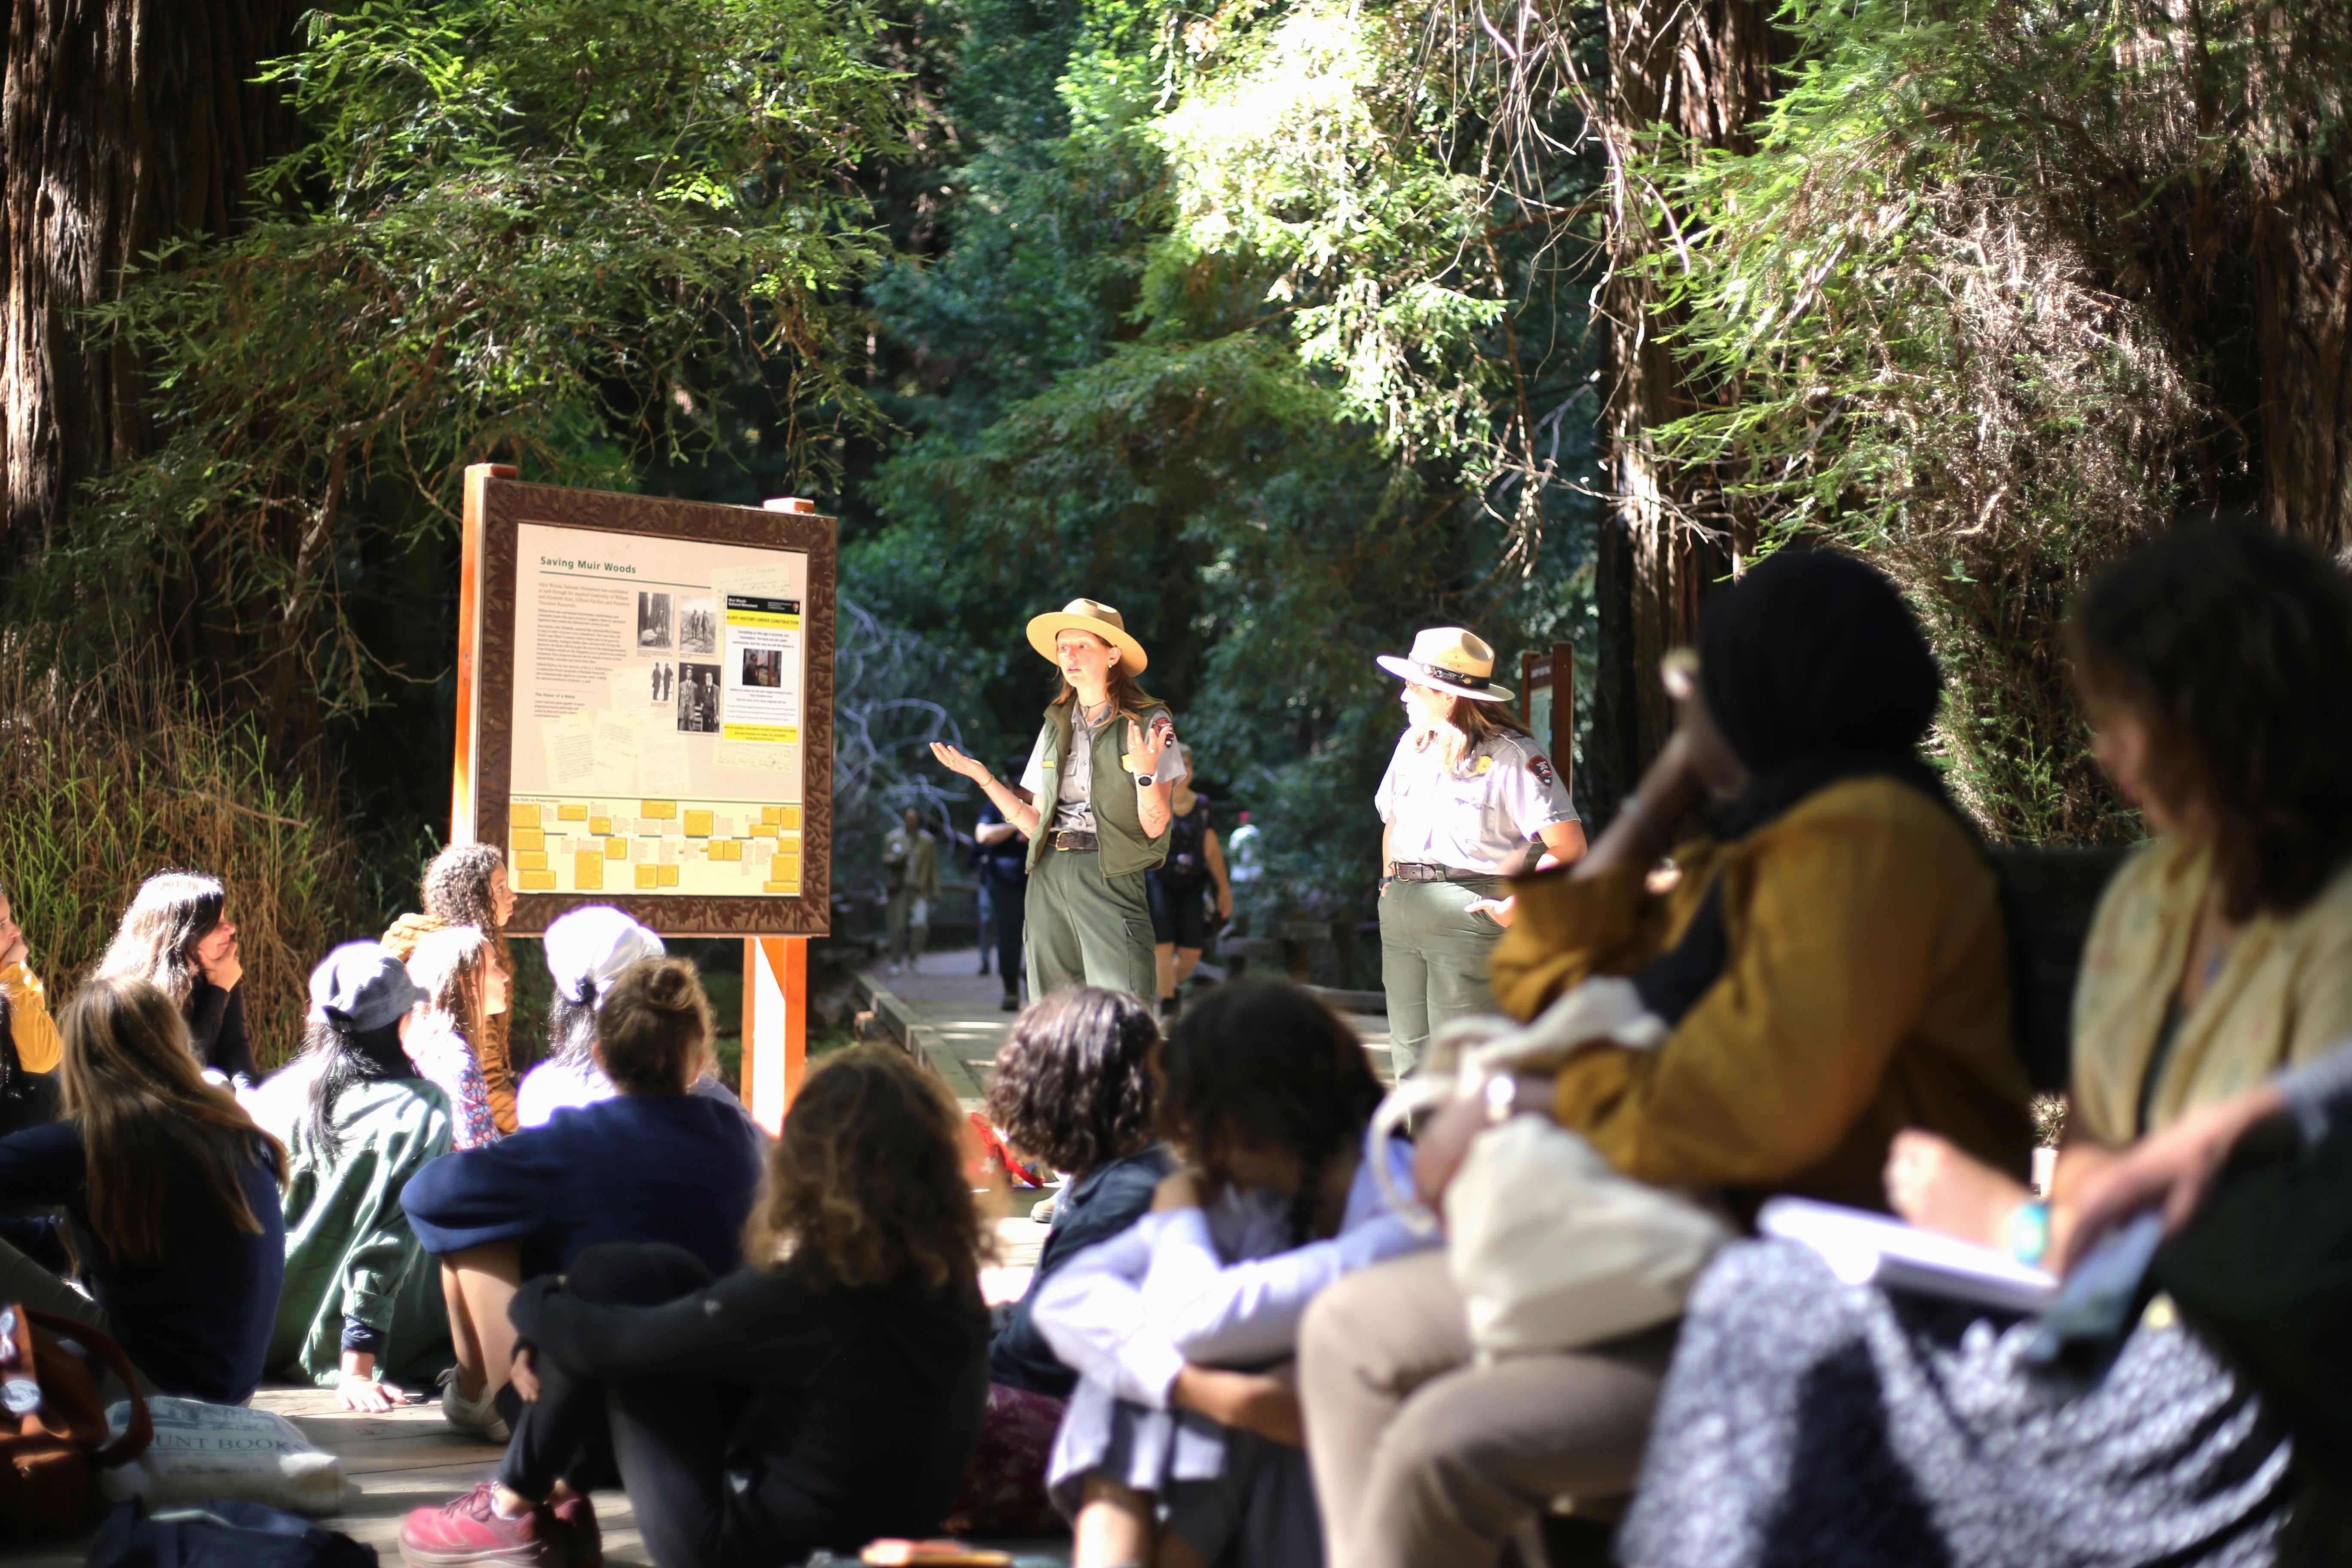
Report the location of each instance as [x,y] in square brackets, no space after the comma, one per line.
[1540,766]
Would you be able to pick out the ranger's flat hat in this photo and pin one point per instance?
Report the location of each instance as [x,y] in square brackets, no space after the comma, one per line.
[1450,658]
[1088,615]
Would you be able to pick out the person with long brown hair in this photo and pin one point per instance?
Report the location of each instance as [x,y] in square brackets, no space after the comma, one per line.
[457,969]
[828,1393]
[467,885]
[171,1193]
[1100,775]
[1466,793]
[176,935]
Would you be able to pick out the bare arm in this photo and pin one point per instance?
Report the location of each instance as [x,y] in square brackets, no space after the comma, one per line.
[1214,853]
[994,832]
[1017,812]
[1147,747]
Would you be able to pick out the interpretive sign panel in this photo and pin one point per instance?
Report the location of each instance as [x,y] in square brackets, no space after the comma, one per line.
[1548,704]
[646,694]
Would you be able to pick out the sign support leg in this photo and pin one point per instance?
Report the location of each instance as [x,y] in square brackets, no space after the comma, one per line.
[775,1025]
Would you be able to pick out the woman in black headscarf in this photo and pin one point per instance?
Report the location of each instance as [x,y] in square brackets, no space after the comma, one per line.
[1831,969]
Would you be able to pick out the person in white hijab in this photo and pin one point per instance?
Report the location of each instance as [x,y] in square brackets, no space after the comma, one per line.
[586,950]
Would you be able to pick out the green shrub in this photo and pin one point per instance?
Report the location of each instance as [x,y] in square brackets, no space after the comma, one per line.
[105,781]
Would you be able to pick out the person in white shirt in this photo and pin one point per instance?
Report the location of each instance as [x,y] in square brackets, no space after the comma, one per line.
[1465,792]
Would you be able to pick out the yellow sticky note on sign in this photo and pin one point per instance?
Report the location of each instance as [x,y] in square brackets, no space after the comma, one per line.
[539,881]
[697,824]
[531,861]
[523,813]
[664,810]
[668,875]
[528,838]
[588,871]
[648,875]
[788,816]
[616,850]
[568,812]
[600,825]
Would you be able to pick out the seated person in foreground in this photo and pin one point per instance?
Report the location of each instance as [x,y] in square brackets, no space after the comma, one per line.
[2216,666]
[172,1195]
[652,1163]
[1180,1444]
[1072,1087]
[829,1393]
[29,1088]
[586,950]
[362,1301]
[1835,969]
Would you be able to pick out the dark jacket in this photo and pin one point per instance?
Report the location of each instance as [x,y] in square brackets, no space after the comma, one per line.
[1097,1206]
[868,1402]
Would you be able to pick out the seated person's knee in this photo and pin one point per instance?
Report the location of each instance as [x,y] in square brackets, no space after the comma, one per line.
[635,1273]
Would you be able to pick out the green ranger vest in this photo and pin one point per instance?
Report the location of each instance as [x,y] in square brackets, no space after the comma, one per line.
[1117,825]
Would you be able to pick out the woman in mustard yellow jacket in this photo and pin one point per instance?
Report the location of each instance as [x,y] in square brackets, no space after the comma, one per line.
[27,1094]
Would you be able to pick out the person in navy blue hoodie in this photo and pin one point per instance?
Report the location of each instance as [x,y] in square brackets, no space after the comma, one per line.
[171,1192]
[653,1163]
[1073,1088]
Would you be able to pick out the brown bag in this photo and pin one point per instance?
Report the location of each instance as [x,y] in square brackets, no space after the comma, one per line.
[52,1428]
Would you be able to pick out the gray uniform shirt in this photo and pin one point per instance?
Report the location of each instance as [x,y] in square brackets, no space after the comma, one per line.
[1474,816]
[1073,800]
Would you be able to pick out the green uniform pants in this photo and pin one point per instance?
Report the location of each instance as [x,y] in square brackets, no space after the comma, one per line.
[1434,956]
[1087,929]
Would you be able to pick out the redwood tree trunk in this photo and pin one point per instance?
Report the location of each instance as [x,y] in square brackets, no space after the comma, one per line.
[2302,174]
[123,124]
[1701,68]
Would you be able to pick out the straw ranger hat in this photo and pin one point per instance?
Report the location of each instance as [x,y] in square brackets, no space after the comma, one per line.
[1090,615]
[1449,658]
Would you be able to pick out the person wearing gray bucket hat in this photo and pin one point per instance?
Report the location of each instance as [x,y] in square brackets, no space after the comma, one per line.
[361,1300]
[1466,791]
[1088,912]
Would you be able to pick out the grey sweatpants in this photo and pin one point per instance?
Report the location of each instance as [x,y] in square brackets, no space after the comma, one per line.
[1434,956]
[1086,929]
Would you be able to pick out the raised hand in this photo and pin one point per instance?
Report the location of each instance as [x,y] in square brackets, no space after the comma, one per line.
[957,762]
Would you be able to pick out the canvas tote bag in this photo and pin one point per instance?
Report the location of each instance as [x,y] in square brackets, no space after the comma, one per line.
[1552,1247]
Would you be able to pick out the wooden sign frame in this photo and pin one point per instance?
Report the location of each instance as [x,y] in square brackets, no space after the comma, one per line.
[1554,672]
[497,504]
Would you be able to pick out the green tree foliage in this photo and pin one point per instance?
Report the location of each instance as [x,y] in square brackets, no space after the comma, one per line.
[1982,303]
[1256,343]
[536,230]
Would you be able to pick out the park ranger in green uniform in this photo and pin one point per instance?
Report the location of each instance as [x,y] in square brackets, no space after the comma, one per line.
[1102,770]
[1466,792]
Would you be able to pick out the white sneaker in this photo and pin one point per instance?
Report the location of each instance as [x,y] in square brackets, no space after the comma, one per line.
[480,1417]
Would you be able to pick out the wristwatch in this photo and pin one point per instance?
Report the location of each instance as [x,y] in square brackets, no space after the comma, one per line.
[1145,780]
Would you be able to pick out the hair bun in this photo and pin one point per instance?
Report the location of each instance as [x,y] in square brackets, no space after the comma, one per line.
[670,984]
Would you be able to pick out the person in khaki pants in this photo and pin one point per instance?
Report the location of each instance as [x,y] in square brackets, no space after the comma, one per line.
[1832,972]
[910,867]
[1465,793]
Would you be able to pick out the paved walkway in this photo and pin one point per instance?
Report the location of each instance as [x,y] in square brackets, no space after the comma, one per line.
[960,1022]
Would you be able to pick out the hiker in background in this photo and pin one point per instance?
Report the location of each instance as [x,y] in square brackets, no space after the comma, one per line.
[1004,872]
[653,1163]
[1105,759]
[467,885]
[1195,866]
[1835,969]
[361,1305]
[457,969]
[177,936]
[29,1082]
[586,950]
[1466,792]
[826,1394]
[1073,1088]
[170,1194]
[910,874]
[1180,1426]
[2215,665]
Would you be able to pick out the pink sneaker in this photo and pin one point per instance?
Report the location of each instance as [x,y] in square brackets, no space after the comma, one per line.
[468,1532]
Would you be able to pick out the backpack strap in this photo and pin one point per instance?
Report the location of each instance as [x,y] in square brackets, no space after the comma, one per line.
[141,1429]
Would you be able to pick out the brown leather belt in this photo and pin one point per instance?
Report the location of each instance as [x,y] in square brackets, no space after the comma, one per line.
[1064,838]
[1414,872]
